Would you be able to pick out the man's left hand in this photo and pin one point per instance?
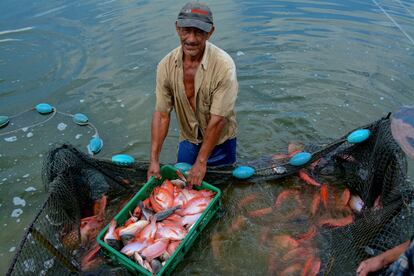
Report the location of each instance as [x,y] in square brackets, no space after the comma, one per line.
[196,173]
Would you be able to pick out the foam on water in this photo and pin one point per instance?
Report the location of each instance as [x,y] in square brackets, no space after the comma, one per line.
[62,126]
[19,201]
[11,139]
[16,213]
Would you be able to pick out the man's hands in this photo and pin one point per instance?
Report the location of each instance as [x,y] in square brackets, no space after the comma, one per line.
[154,170]
[370,265]
[197,173]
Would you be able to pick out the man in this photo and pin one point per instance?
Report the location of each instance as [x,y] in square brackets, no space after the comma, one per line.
[199,81]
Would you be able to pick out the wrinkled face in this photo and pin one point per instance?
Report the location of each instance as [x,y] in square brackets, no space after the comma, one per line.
[193,40]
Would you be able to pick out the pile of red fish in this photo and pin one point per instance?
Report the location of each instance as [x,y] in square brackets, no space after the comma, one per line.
[158,224]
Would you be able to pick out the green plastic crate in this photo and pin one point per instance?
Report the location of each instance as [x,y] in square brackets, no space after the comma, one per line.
[118,258]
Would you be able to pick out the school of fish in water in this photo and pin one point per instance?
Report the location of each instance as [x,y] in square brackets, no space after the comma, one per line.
[330,206]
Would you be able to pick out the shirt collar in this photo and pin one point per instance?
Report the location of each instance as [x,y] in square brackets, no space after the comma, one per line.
[204,60]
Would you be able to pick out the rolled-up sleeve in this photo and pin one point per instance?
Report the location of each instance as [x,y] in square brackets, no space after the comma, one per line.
[224,96]
[163,92]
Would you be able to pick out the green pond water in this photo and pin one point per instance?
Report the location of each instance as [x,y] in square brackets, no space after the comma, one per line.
[308,71]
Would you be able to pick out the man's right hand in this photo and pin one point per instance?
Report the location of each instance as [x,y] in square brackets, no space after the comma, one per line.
[370,265]
[154,170]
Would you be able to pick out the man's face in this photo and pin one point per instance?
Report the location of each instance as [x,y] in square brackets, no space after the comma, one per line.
[193,40]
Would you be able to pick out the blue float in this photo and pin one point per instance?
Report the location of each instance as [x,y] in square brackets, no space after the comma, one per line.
[243,172]
[123,159]
[95,145]
[44,108]
[300,158]
[4,120]
[80,119]
[182,166]
[358,136]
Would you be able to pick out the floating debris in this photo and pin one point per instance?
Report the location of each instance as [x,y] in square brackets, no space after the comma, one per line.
[19,201]
[62,126]
[11,139]
[16,213]
[29,265]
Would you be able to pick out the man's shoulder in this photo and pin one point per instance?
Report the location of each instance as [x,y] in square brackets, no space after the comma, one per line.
[170,58]
[220,56]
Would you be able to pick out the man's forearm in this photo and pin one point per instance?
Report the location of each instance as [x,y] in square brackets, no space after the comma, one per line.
[391,255]
[159,129]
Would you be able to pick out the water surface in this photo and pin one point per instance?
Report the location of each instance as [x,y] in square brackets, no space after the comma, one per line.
[308,71]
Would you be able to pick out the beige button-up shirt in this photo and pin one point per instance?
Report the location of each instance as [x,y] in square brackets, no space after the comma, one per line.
[216,90]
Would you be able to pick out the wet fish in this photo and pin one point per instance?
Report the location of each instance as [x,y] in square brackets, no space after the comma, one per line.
[161,199]
[136,246]
[146,212]
[160,216]
[324,195]
[129,232]
[285,194]
[215,245]
[377,203]
[296,254]
[336,222]
[292,269]
[172,247]
[261,212]
[179,183]
[315,268]
[90,227]
[138,259]
[149,231]
[294,149]
[111,237]
[345,197]
[155,250]
[194,206]
[308,180]
[170,231]
[91,259]
[285,242]
[308,235]
[316,201]
[99,206]
[156,266]
[189,220]
[237,224]
[246,200]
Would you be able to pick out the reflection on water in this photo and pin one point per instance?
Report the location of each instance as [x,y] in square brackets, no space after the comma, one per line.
[308,71]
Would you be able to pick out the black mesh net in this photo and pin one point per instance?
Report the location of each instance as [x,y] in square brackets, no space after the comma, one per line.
[375,170]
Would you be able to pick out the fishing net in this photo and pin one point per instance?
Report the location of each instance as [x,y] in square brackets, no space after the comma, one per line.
[374,170]
[74,181]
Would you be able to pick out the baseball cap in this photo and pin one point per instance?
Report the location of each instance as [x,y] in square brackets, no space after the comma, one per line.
[196,14]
